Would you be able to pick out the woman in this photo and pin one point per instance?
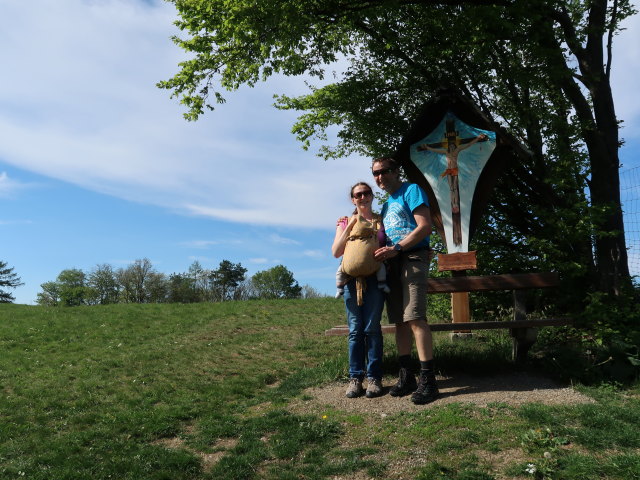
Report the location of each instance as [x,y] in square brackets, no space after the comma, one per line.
[365,333]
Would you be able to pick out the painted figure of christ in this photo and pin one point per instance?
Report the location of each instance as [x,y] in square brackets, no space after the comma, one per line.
[454,146]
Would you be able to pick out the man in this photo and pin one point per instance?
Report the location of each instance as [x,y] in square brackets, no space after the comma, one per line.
[407,223]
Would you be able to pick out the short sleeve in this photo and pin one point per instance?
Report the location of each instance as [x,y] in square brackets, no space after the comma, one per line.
[416,196]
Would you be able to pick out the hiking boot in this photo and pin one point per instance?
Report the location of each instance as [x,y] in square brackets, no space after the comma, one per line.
[374,388]
[427,390]
[355,388]
[406,384]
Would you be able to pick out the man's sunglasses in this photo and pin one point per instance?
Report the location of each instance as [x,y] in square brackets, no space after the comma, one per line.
[382,171]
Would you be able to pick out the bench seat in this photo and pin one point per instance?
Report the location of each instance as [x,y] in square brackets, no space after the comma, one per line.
[523,331]
[451,327]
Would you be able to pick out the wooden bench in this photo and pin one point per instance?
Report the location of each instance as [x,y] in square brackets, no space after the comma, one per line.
[523,331]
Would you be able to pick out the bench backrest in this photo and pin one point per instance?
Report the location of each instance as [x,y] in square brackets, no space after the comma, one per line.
[515,281]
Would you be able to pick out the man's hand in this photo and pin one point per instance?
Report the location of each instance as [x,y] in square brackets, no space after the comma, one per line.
[384,253]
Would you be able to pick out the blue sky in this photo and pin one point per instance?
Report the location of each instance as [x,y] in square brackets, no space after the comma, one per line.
[97,165]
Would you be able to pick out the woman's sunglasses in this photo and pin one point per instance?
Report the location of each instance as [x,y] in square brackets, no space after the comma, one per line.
[360,195]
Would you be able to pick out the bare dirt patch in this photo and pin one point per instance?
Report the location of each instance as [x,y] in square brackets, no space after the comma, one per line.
[208,459]
[507,388]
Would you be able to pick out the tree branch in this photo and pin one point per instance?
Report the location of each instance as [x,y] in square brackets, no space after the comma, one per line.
[612,26]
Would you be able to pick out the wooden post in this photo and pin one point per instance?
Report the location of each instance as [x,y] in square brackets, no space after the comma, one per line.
[460,311]
[458,263]
[522,338]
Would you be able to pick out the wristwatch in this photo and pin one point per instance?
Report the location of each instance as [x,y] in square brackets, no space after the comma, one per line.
[397,247]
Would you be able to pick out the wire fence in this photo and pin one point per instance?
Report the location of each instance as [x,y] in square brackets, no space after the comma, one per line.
[630,197]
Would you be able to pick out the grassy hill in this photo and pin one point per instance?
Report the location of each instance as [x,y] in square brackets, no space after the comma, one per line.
[203,391]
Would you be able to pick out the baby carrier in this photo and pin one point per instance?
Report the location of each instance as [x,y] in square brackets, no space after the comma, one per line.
[358,260]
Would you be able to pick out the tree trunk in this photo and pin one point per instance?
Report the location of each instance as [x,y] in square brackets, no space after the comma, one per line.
[600,133]
[611,249]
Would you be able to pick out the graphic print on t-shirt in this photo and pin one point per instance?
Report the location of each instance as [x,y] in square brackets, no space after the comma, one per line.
[397,222]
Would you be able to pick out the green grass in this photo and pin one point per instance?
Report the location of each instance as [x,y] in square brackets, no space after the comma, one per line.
[203,391]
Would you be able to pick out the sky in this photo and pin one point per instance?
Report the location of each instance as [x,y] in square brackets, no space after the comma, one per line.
[97,165]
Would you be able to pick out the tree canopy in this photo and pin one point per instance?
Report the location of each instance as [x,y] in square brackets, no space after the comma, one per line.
[8,279]
[226,279]
[540,69]
[276,282]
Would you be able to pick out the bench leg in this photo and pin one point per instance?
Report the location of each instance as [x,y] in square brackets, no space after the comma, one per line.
[523,339]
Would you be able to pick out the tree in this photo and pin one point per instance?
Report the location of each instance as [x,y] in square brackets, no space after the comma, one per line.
[182,289]
[200,280]
[50,294]
[225,279]
[102,280]
[245,290]
[138,282]
[140,272]
[157,287]
[8,279]
[307,291]
[276,282]
[539,69]
[71,287]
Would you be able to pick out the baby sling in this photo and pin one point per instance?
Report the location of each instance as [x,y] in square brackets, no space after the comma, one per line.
[357,260]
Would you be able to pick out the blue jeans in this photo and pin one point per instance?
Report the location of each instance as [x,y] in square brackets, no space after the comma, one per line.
[365,333]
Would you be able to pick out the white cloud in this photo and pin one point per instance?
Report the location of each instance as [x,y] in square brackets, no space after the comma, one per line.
[88,112]
[259,261]
[275,238]
[8,186]
[314,253]
[200,243]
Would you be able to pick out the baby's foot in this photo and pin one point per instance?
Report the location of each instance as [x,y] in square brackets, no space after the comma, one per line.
[384,287]
[339,293]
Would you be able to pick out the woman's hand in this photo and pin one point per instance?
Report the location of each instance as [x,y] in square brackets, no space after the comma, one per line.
[340,240]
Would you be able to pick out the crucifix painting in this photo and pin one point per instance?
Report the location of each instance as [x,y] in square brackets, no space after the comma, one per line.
[451,158]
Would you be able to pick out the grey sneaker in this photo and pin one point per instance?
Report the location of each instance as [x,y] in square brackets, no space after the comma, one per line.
[427,390]
[406,384]
[374,387]
[354,389]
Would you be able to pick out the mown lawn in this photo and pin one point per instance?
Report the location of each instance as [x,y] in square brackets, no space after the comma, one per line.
[202,391]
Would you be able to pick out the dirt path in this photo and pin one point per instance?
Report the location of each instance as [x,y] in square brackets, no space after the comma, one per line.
[509,388]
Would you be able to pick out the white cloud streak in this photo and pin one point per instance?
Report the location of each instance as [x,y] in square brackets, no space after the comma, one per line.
[79,104]
[88,112]
[7,186]
[275,238]
[201,243]
[314,253]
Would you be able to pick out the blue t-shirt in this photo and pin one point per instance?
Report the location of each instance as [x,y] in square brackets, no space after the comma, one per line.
[397,213]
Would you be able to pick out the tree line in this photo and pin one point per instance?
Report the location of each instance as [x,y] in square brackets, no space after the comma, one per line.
[140,282]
